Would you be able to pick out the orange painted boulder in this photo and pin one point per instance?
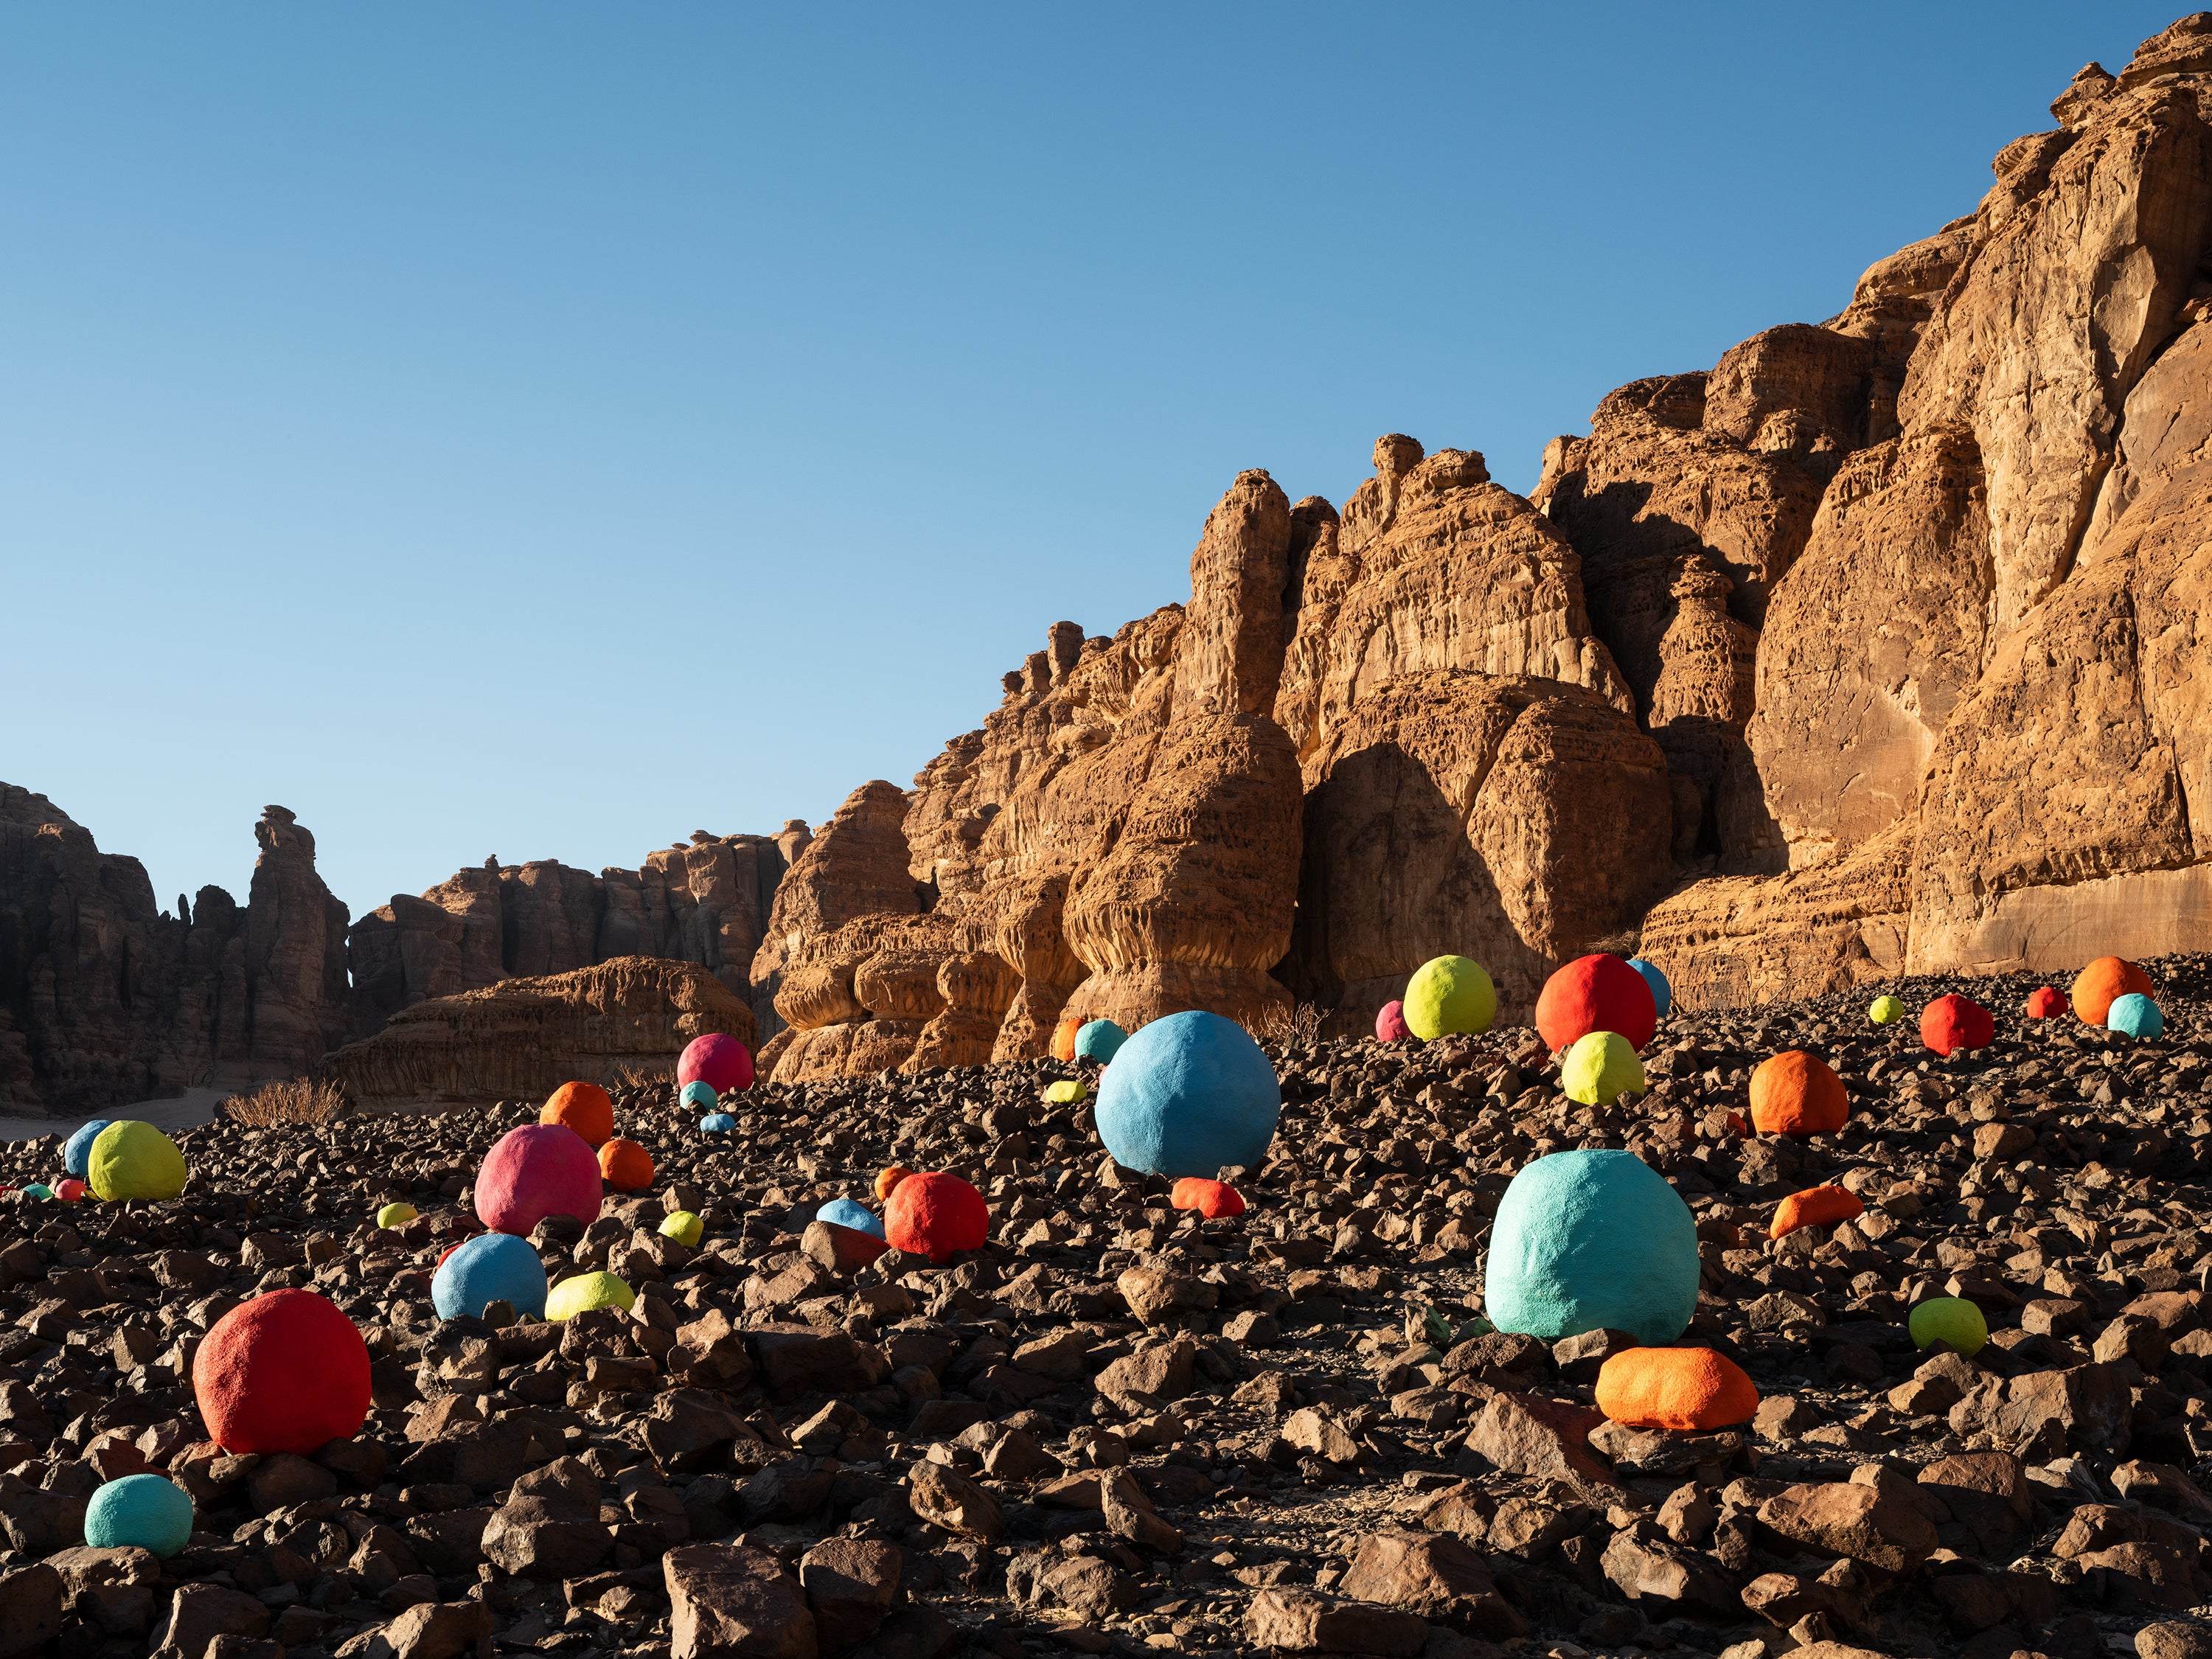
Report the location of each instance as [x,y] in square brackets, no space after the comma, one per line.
[1212,1199]
[626,1166]
[1684,1389]
[585,1107]
[1795,1093]
[1063,1039]
[1816,1206]
[888,1178]
[2097,987]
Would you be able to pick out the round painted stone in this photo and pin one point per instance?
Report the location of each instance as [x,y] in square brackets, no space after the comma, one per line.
[1390,1022]
[586,1108]
[1949,1319]
[1189,1095]
[1215,1199]
[1662,994]
[1689,1390]
[722,1063]
[2132,1015]
[1885,1011]
[395,1215]
[698,1098]
[683,1227]
[70,1190]
[37,1190]
[1586,1241]
[1099,1040]
[1066,1092]
[139,1511]
[285,1372]
[537,1170]
[1063,1038]
[1448,993]
[2097,985]
[1598,993]
[2044,1003]
[79,1146]
[888,1178]
[129,1159]
[1795,1093]
[490,1268]
[717,1123]
[1952,1023]
[851,1212]
[1601,1068]
[584,1292]
[934,1215]
[625,1166]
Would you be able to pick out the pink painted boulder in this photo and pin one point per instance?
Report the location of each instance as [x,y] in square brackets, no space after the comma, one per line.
[722,1063]
[1390,1022]
[537,1170]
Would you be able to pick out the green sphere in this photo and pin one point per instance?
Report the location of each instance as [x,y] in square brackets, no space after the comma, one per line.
[683,1227]
[585,1291]
[131,1159]
[1450,994]
[1600,1068]
[1949,1319]
[1885,1011]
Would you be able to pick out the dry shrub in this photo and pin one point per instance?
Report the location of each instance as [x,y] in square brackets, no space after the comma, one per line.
[295,1100]
[637,1077]
[1289,1026]
[1625,943]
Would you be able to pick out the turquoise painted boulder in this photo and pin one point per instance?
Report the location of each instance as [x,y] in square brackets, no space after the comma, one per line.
[79,1148]
[139,1511]
[700,1097]
[717,1123]
[2135,1015]
[1588,1240]
[1099,1040]
[490,1268]
[851,1212]
[1188,1096]
[1662,994]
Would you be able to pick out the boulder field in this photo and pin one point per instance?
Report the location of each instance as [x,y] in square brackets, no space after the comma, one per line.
[1120,1427]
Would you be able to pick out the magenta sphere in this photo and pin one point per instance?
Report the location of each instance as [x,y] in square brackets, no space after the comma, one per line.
[722,1063]
[1390,1022]
[537,1170]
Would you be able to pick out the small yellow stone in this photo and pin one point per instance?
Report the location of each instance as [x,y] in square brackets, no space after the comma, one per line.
[585,1291]
[395,1215]
[683,1227]
[1066,1092]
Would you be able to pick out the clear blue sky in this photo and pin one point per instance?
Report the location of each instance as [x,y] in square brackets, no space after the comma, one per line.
[546,429]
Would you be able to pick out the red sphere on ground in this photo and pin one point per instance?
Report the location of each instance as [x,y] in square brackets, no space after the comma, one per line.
[71,1191]
[537,1170]
[1212,1199]
[1390,1022]
[285,1372]
[2046,1003]
[1952,1022]
[585,1107]
[1597,994]
[935,1214]
[626,1166]
[722,1063]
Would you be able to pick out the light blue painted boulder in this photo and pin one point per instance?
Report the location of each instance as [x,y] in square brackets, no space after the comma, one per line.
[1186,1096]
[1662,994]
[140,1511]
[699,1097]
[79,1148]
[490,1268]
[1100,1040]
[1586,1241]
[718,1123]
[2135,1015]
[851,1212]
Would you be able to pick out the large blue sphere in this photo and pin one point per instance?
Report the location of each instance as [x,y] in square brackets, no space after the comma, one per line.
[490,1268]
[1100,1040]
[1188,1095]
[142,1511]
[1592,1240]
[699,1097]
[2135,1015]
[1662,994]
[80,1147]
[851,1212]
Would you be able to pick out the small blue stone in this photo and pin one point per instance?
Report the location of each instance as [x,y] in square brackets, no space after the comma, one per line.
[851,1212]
[718,1123]
[1662,994]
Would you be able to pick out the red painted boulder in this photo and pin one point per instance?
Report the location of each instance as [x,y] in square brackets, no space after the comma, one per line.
[1390,1022]
[537,1170]
[935,1214]
[1212,1199]
[1952,1022]
[285,1372]
[2046,1003]
[1597,994]
[721,1062]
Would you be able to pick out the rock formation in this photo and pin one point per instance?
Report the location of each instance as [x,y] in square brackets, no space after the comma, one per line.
[522,1038]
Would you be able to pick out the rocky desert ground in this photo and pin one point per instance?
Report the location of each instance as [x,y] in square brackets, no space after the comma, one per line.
[1120,1428]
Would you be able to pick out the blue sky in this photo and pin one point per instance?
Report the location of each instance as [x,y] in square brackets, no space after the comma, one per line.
[546,429]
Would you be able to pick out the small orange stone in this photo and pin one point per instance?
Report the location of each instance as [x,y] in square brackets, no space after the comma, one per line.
[1063,1039]
[2103,982]
[1814,1207]
[626,1166]
[1795,1093]
[585,1107]
[887,1179]
[1212,1199]
[1684,1389]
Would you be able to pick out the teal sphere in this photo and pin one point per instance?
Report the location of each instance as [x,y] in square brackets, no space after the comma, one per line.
[2135,1015]
[143,1511]
[490,1268]
[851,1212]
[1588,1241]
[1662,994]
[1100,1040]
[1189,1095]
[699,1097]
[718,1123]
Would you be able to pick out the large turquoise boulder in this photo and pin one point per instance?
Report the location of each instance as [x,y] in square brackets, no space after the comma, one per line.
[1588,1241]
[2137,1015]
[488,1268]
[1188,1096]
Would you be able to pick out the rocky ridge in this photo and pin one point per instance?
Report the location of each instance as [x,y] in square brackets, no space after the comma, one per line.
[1119,1428]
